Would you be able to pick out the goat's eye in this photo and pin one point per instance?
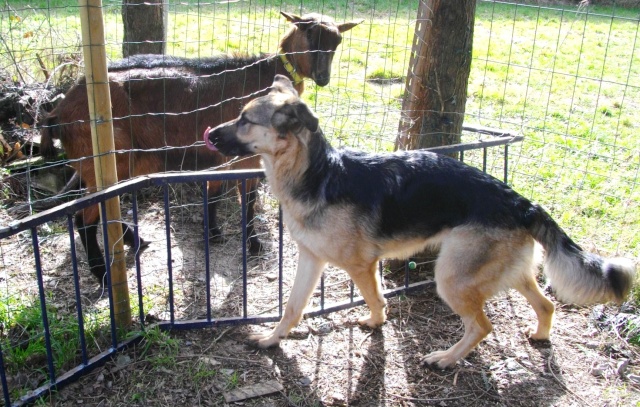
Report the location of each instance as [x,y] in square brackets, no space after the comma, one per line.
[241,122]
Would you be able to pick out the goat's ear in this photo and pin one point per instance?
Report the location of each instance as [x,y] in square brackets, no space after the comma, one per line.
[292,117]
[302,23]
[283,84]
[349,25]
[292,18]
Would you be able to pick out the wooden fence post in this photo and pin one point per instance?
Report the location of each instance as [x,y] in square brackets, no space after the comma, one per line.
[95,62]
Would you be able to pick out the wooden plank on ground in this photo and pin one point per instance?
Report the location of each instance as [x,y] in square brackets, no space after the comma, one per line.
[254,390]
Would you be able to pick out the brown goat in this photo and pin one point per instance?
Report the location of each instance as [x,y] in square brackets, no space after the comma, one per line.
[162,105]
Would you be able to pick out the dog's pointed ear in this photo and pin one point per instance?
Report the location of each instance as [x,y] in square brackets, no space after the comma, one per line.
[349,25]
[282,84]
[306,117]
[292,117]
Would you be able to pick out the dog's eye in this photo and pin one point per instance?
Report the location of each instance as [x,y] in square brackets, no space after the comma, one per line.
[242,121]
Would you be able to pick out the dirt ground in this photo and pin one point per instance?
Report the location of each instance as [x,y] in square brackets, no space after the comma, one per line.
[330,361]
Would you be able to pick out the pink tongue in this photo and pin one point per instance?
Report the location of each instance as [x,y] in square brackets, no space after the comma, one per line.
[207,141]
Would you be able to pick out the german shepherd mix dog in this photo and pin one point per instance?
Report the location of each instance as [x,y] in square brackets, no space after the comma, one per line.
[351,209]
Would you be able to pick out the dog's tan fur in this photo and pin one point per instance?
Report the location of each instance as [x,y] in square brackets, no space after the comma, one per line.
[475,262]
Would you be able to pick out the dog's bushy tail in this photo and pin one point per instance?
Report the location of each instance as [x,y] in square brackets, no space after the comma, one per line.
[576,276]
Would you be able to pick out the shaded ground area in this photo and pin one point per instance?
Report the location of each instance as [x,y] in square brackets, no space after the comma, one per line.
[330,361]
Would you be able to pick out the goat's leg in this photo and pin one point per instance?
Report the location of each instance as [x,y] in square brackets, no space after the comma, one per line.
[255,246]
[130,238]
[87,225]
[214,194]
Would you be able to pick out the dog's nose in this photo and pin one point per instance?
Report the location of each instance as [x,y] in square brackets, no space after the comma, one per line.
[207,139]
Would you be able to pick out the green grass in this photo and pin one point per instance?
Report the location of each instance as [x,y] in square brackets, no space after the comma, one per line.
[23,345]
[23,340]
[26,339]
[203,373]
[562,78]
[166,347]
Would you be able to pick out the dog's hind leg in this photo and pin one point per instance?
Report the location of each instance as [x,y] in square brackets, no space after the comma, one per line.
[214,195]
[475,264]
[367,280]
[476,327]
[543,307]
[468,272]
[310,269]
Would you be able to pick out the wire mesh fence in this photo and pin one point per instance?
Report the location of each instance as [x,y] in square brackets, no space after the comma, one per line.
[561,75]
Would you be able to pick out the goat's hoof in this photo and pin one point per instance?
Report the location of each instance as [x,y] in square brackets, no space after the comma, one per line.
[256,247]
[143,244]
[100,273]
[215,236]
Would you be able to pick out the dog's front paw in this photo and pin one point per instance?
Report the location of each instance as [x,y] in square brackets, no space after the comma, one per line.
[534,335]
[264,340]
[371,321]
[440,358]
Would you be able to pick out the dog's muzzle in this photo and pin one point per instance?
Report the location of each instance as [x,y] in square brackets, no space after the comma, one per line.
[222,139]
[207,140]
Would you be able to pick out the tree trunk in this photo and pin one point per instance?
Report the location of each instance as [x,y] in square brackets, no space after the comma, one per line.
[144,27]
[436,88]
[436,91]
